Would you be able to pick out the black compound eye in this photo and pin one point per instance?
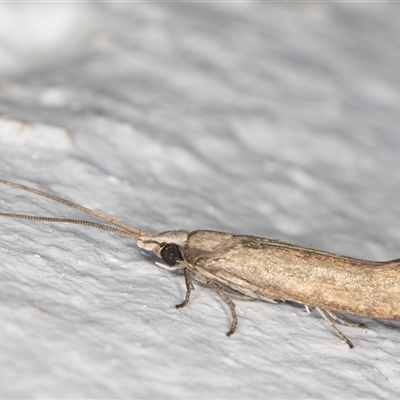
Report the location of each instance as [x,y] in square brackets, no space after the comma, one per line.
[170,254]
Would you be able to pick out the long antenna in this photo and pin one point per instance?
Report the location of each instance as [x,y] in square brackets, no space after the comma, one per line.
[135,233]
[71,221]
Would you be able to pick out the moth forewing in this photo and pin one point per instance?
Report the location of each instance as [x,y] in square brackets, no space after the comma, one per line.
[257,268]
[281,271]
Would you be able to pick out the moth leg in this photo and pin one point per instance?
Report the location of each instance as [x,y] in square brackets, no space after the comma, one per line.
[345,321]
[333,327]
[228,302]
[307,309]
[189,288]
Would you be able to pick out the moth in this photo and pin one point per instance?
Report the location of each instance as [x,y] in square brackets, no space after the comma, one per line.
[250,267]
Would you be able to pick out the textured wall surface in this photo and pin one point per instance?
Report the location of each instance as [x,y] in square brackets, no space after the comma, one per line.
[277,120]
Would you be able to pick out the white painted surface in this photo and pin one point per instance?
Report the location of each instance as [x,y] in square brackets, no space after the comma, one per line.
[278,120]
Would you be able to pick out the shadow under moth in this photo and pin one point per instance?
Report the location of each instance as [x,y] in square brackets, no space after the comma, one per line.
[250,267]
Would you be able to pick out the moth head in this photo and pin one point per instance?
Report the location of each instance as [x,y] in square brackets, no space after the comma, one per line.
[169,245]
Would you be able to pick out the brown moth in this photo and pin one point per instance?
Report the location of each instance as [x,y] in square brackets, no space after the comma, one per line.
[251,267]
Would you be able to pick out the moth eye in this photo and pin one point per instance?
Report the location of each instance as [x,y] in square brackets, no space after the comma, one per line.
[170,254]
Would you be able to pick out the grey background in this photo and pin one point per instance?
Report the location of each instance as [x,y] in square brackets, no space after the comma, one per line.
[278,120]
